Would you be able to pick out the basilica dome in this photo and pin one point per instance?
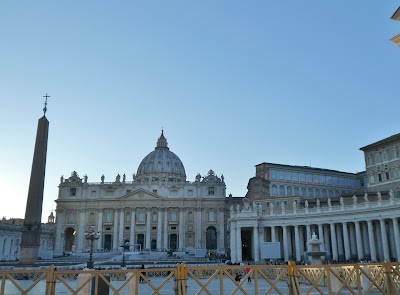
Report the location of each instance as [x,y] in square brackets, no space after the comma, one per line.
[161,164]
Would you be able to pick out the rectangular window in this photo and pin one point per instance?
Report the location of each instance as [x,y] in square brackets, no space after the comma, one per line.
[371,179]
[154,227]
[272,174]
[211,191]
[127,227]
[295,176]
[268,204]
[309,178]
[154,191]
[302,177]
[72,191]
[379,177]
[190,192]
[128,191]
[387,175]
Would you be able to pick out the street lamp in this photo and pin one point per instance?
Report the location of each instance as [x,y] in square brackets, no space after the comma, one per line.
[124,245]
[91,236]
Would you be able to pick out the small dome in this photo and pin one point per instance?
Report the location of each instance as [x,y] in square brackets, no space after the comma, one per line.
[161,164]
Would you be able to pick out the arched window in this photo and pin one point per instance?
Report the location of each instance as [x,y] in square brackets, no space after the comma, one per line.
[282,190]
[324,194]
[71,217]
[274,190]
[337,193]
[317,193]
[330,193]
[296,191]
[289,191]
[173,216]
[303,192]
[310,193]
[211,217]
[109,217]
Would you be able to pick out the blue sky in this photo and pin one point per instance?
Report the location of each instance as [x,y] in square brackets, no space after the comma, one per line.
[233,84]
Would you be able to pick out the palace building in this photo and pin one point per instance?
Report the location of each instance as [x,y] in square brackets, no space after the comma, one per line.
[159,209]
[356,216]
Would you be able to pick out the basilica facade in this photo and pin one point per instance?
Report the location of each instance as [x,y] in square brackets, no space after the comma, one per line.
[157,210]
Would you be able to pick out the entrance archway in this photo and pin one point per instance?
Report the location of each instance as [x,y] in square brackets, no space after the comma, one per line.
[69,241]
[173,241]
[211,238]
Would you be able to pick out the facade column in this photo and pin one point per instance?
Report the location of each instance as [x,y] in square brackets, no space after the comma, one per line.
[121,226]
[302,244]
[352,238]
[290,245]
[132,240]
[100,229]
[360,253]
[256,244]
[384,237]
[199,234]
[391,240]
[159,230]
[81,230]
[396,237]
[148,229]
[115,231]
[347,254]
[165,228]
[239,244]
[273,234]
[233,242]
[181,230]
[371,240]
[221,231]
[285,243]
[339,237]
[297,242]
[334,242]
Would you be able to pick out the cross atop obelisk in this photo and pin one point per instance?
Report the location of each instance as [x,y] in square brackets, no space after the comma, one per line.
[45,104]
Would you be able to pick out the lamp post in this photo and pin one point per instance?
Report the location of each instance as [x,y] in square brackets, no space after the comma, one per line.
[124,245]
[91,236]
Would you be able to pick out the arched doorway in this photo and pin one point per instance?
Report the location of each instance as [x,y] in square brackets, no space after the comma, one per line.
[69,241]
[173,241]
[153,245]
[211,238]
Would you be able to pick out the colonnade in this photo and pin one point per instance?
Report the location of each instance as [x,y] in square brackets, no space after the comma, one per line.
[369,239]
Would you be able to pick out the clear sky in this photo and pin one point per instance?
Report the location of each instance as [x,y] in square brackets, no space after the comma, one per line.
[233,84]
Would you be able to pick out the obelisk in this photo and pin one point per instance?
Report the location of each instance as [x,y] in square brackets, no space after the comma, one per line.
[30,240]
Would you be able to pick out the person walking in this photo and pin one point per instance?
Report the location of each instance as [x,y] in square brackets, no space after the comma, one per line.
[248,269]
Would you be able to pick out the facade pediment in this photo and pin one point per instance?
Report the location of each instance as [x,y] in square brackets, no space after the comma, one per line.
[140,194]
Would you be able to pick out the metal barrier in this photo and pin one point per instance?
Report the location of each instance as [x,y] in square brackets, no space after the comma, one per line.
[376,278]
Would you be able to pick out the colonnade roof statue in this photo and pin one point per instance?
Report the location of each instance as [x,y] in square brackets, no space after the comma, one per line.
[161,164]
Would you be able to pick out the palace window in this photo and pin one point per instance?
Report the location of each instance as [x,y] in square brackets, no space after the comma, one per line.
[72,191]
[141,216]
[211,217]
[109,217]
[379,177]
[173,216]
[154,216]
[211,191]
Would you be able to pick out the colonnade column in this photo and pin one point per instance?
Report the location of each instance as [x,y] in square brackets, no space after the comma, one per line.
[364,229]
[273,234]
[132,228]
[121,225]
[59,246]
[308,229]
[165,228]
[115,230]
[346,241]
[327,243]
[100,229]
[181,232]
[359,243]
[159,227]
[297,242]
[256,244]
[148,229]
[321,236]
[396,237]
[384,238]
[371,240]
[239,243]
[233,242]
[334,242]
[285,243]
